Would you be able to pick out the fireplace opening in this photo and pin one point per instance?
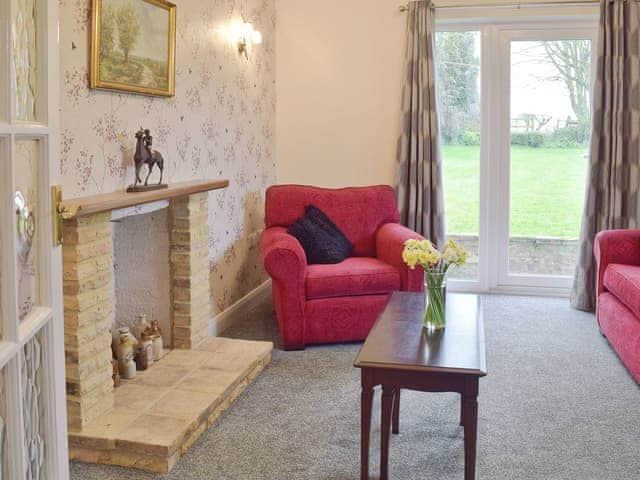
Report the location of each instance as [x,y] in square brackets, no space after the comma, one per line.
[142,269]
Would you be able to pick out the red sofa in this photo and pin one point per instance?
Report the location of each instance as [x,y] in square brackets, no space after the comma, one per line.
[335,303]
[617,255]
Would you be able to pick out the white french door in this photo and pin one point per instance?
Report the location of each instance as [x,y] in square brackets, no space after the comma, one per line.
[33,432]
[544,120]
[514,91]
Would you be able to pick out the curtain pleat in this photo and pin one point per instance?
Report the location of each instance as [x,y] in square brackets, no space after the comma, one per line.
[419,185]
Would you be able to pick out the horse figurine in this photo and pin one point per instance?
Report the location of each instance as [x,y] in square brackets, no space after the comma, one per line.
[146,155]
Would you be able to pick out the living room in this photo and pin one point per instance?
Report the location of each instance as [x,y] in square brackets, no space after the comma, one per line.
[258,239]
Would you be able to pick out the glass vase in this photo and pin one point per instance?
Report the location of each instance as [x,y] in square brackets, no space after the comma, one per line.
[435,286]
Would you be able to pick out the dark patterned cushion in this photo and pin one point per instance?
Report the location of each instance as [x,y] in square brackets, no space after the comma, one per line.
[323,242]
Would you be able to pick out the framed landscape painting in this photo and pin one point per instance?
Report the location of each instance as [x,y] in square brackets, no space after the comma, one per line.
[133,46]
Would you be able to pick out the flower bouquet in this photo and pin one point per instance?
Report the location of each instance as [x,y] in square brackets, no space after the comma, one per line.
[435,265]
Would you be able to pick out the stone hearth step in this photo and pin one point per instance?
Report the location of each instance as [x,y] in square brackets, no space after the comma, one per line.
[158,415]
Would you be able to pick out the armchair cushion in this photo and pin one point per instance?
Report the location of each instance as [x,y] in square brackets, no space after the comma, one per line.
[354,276]
[623,281]
[321,240]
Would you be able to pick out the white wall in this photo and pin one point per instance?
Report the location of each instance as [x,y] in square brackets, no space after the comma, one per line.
[338,90]
[339,75]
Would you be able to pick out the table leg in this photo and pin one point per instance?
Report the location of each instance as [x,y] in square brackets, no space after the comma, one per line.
[461,410]
[470,417]
[395,424]
[365,430]
[385,430]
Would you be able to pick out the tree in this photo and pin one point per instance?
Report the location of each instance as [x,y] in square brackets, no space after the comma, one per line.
[107,30]
[457,69]
[572,61]
[128,29]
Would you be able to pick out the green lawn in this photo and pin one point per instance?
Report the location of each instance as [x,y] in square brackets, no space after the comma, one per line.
[547,190]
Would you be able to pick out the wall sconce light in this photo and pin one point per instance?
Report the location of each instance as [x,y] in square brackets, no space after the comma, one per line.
[244,35]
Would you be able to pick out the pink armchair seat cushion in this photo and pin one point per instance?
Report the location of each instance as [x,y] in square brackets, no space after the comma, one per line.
[353,276]
[623,281]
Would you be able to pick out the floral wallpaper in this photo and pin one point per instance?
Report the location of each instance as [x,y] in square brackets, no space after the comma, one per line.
[220,124]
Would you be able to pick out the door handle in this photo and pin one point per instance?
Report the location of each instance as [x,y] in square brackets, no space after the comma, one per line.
[26,221]
[58,214]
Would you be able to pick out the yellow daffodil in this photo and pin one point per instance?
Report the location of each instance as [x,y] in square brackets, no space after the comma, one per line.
[423,253]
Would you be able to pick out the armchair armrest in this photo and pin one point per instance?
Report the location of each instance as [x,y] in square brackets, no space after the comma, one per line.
[285,261]
[280,250]
[615,246]
[390,240]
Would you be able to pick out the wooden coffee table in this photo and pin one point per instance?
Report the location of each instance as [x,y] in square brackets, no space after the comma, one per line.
[399,354]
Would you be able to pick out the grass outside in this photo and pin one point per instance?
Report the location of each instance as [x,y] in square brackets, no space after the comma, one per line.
[547,190]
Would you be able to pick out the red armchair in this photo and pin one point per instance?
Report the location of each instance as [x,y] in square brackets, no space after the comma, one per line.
[335,303]
[617,255]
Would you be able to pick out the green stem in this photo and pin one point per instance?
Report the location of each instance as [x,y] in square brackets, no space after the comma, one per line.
[435,314]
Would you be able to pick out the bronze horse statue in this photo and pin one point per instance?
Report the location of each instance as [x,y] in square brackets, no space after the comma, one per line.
[146,155]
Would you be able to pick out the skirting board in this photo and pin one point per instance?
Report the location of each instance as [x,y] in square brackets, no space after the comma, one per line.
[235,312]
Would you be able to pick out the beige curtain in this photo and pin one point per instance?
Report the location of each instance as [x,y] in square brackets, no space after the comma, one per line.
[614,173]
[419,186]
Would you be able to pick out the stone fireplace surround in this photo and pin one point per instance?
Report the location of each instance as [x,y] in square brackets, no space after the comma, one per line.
[132,426]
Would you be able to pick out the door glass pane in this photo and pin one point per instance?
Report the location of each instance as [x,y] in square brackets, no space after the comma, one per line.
[25,58]
[458,89]
[550,127]
[33,407]
[26,160]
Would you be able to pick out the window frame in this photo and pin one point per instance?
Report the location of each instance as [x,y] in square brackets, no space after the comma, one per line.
[498,27]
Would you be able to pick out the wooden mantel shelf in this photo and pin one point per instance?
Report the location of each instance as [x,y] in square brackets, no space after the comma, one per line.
[85,206]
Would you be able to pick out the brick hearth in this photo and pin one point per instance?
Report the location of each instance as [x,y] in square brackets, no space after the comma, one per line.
[151,420]
[162,412]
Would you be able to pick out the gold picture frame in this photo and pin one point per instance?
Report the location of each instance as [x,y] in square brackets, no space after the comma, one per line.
[140,64]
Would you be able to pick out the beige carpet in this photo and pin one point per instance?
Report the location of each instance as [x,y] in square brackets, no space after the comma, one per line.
[557,404]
